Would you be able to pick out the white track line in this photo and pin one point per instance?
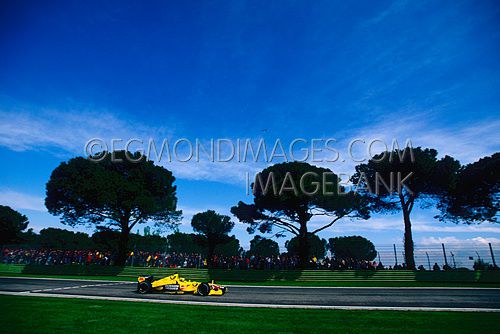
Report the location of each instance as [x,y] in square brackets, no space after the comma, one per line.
[78,287]
[65,279]
[275,286]
[361,287]
[201,303]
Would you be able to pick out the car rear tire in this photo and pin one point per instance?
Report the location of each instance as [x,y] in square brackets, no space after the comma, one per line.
[203,289]
[144,287]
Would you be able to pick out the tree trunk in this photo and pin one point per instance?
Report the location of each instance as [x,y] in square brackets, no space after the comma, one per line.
[210,255]
[409,256]
[303,247]
[121,257]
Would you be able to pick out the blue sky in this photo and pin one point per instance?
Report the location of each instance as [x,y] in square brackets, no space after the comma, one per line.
[71,71]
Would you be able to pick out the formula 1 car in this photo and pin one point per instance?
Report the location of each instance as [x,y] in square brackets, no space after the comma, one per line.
[179,285]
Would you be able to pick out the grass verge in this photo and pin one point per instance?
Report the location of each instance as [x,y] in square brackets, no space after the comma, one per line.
[54,315]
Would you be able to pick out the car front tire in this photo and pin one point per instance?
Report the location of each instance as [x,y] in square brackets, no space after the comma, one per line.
[144,287]
[203,289]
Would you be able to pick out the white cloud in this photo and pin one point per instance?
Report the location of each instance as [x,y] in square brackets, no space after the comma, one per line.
[394,223]
[465,143]
[440,227]
[429,241]
[68,131]
[21,201]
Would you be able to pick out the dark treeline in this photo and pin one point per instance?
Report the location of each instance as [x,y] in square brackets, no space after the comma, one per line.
[354,248]
[55,238]
[107,240]
[123,190]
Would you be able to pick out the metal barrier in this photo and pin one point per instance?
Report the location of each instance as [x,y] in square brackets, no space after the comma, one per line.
[455,255]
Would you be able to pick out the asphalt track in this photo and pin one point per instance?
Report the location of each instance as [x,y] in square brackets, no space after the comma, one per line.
[449,299]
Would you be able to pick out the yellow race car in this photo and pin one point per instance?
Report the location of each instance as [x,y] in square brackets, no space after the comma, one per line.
[179,285]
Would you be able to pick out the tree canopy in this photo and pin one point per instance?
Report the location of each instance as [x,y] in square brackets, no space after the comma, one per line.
[179,242]
[401,177]
[230,248]
[288,195]
[63,239]
[212,229]
[260,246]
[316,246]
[356,248]
[118,191]
[12,224]
[475,195]
[148,243]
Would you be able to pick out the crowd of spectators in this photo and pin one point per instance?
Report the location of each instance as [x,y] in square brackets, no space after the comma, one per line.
[162,260]
[281,262]
[55,256]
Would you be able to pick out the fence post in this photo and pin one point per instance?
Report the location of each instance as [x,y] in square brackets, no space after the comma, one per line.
[453,258]
[428,260]
[492,255]
[444,254]
[395,255]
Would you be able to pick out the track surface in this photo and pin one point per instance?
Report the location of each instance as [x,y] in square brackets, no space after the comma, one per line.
[369,297]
